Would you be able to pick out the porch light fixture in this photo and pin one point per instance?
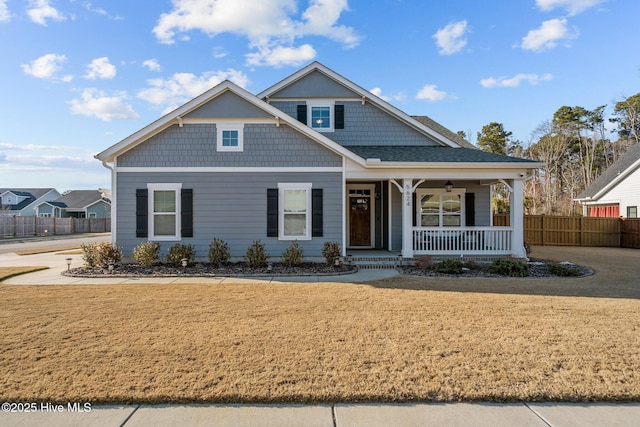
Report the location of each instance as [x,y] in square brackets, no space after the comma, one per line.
[448,186]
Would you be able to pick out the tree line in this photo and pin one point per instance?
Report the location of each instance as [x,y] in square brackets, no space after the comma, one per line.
[575,147]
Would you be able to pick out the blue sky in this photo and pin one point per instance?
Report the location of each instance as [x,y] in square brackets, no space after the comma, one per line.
[79,76]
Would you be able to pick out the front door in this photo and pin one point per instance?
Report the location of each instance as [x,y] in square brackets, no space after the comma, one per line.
[360,220]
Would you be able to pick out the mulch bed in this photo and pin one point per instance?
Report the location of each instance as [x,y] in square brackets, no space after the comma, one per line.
[537,268]
[208,270]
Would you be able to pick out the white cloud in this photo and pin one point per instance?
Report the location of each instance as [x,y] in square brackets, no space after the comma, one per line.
[36,147]
[219,52]
[100,68]
[547,36]
[41,10]
[152,64]
[532,79]
[280,56]
[95,103]
[399,97]
[573,7]
[5,15]
[182,87]
[44,67]
[270,26]
[451,39]
[431,93]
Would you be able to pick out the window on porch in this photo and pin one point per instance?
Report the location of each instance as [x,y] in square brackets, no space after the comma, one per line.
[440,209]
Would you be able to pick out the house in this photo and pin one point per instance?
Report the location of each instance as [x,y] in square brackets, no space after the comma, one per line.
[314,158]
[23,201]
[615,193]
[77,204]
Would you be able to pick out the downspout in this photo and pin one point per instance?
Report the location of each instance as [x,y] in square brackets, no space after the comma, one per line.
[113,200]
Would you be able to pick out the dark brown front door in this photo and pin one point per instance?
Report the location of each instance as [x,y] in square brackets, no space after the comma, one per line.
[360,221]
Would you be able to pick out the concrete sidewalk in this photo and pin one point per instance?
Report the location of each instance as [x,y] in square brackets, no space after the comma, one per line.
[338,415]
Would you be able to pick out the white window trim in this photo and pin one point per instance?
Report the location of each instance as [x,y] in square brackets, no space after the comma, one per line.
[423,191]
[164,187]
[238,127]
[323,103]
[293,186]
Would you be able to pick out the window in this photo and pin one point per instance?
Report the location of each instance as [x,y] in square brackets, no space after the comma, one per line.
[294,211]
[164,209]
[45,215]
[440,209]
[320,115]
[93,215]
[230,137]
[632,212]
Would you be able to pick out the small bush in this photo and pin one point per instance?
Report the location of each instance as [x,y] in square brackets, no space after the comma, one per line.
[256,256]
[563,270]
[179,251]
[331,252]
[527,247]
[509,267]
[99,255]
[293,255]
[450,266]
[424,262]
[219,253]
[146,253]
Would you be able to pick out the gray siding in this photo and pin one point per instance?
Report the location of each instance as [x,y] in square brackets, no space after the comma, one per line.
[232,207]
[194,145]
[366,125]
[315,85]
[228,105]
[101,209]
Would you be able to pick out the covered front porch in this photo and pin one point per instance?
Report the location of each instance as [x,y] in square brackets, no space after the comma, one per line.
[439,217]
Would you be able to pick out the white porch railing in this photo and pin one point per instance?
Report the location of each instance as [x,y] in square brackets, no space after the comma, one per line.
[462,240]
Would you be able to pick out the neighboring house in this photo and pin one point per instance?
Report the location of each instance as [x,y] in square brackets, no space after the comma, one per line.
[77,204]
[314,158]
[616,193]
[23,201]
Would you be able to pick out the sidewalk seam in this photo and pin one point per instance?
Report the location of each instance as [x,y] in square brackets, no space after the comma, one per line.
[130,415]
[537,415]
[333,414]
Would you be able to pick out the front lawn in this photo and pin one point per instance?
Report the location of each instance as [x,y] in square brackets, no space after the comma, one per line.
[406,338]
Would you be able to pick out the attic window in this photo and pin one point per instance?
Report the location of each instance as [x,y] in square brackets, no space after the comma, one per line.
[229,137]
[320,115]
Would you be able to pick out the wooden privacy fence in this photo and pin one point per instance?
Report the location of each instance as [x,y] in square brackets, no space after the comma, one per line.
[549,230]
[30,226]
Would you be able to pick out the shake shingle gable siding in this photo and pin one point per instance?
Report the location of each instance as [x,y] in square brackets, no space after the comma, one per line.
[431,154]
[194,145]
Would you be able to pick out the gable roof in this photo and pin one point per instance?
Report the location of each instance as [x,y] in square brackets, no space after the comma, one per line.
[427,121]
[613,175]
[176,116]
[80,199]
[31,194]
[443,138]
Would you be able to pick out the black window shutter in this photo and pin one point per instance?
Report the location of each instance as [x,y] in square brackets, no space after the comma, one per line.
[142,212]
[316,213]
[272,212]
[186,212]
[470,209]
[338,112]
[302,113]
[414,199]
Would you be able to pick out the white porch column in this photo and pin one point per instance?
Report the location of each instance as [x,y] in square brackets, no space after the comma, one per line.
[517,219]
[407,218]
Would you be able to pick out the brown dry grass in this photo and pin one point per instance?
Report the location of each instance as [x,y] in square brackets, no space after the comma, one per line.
[8,272]
[392,340]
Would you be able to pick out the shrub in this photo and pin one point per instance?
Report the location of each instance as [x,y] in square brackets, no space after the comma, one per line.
[98,255]
[256,256]
[527,247]
[424,262]
[331,252]
[219,253]
[509,267]
[293,255]
[563,270]
[146,253]
[450,266]
[179,251]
